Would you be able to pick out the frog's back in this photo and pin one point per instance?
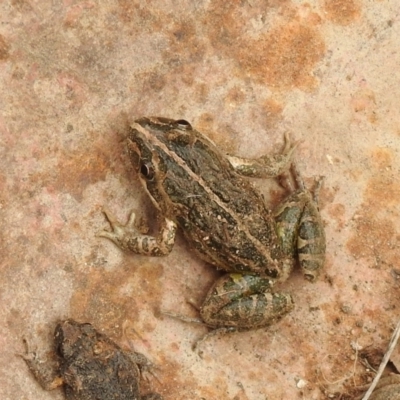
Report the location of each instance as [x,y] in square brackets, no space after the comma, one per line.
[221,214]
[98,369]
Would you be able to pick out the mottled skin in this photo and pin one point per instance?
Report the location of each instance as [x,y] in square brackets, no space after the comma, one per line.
[224,218]
[90,366]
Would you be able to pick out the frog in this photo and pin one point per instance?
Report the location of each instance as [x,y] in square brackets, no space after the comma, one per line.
[207,194]
[90,366]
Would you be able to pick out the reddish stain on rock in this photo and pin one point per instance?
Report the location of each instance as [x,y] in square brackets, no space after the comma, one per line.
[282,57]
[109,298]
[4,48]
[376,236]
[76,171]
[235,96]
[337,213]
[285,56]
[363,103]
[342,12]
[273,112]
[139,17]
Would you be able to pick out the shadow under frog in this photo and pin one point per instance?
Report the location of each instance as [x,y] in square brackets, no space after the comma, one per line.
[224,219]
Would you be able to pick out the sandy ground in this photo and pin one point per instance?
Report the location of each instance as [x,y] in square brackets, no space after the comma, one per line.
[74,74]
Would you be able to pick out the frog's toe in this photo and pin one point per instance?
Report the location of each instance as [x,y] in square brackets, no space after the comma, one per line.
[319,181]
[290,145]
[108,235]
[115,223]
[215,332]
[117,229]
[119,233]
[29,355]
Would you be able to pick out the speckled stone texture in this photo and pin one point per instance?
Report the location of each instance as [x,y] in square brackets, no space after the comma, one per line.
[74,74]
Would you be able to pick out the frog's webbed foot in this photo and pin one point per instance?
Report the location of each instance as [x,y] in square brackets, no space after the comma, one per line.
[127,237]
[44,372]
[266,166]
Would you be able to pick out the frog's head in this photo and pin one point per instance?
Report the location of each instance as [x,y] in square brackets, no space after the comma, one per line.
[70,336]
[158,149]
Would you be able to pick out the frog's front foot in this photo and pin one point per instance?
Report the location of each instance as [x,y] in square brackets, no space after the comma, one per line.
[280,163]
[128,238]
[244,302]
[44,372]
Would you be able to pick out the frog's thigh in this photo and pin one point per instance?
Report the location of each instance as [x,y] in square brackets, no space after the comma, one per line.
[244,302]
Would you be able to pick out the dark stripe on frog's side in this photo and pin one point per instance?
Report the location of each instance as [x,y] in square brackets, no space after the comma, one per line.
[213,168]
[191,197]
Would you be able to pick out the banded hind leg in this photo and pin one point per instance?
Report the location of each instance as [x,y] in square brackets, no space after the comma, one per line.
[300,228]
[244,302]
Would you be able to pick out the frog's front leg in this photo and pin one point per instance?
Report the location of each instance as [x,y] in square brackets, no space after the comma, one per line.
[267,166]
[46,373]
[128,238]
[244,302]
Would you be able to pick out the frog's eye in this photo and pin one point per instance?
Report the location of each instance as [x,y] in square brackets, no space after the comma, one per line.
[147,171]
[183,124]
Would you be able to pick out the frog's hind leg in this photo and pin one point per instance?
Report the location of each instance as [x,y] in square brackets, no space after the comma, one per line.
[300,228]
[244,302]
[311,242]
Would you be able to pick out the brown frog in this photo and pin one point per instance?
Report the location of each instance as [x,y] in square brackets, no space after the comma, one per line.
[225,220]
[90,366]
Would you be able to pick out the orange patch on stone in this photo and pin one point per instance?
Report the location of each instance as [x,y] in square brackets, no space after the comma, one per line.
[364,102]
[273,111]
[376,239]
[235,96]
[376,236]
[4,48]
[114,298]
[285,56]
[282,57]
[337,212]
[342,12]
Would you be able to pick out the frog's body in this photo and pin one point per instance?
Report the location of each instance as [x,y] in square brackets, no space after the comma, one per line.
[224,218]
[90,366]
